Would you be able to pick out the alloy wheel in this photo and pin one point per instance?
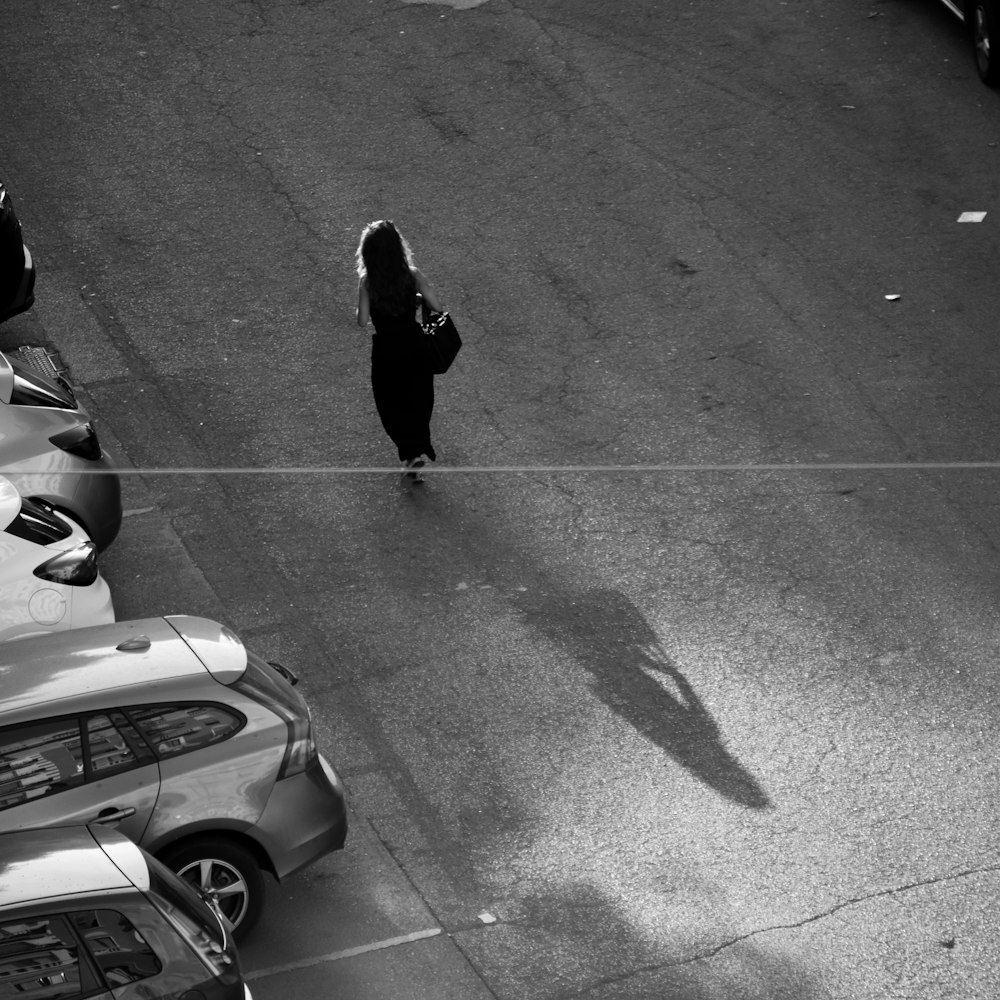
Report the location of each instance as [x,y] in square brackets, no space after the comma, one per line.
[221,883]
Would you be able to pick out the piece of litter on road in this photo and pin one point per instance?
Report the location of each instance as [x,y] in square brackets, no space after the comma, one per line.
[972,217]
[892,298]
[487,918]
[849,107]
[462,586]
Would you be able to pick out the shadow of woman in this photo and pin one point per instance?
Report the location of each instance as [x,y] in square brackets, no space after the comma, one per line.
[608,635]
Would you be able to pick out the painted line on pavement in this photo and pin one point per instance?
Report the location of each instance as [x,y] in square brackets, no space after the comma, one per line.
[428,470]
[336,956]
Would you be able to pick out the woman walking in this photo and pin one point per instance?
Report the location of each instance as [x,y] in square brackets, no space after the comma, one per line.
[402,383]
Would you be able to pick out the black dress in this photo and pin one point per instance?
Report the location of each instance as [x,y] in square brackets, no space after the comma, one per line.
[402,382]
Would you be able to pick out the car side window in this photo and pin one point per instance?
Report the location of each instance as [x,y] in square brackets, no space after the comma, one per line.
[114,745]
[176,729]
[40,959]
[119,950]
[39,759]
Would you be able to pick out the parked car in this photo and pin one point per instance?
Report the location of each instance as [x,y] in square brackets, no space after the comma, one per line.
[171,730]
[86,913]
[49,578]
[17,272]
[982,18]
[50,451]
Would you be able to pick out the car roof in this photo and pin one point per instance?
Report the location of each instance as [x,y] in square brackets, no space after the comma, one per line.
[136,660]
[67,861]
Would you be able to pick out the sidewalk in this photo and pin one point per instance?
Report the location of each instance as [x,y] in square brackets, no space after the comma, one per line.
[353,927]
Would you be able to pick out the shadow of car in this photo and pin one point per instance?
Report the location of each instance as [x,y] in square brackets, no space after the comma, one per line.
[17,271]
[86,913]
[49,578]
[50,451]
[172,731]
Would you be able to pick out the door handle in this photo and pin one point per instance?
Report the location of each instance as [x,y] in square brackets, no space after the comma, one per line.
[113,815]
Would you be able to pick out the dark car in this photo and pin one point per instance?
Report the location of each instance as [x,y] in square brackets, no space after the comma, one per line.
[86,913]
[982,18]
[17,272]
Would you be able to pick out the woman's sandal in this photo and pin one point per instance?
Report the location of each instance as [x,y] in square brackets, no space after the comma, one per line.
[411,469]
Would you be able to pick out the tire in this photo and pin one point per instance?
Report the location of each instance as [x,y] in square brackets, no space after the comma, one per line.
[984,23]
[223,869]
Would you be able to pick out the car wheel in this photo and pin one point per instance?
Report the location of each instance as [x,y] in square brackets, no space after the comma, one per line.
[983,22]
[223,872]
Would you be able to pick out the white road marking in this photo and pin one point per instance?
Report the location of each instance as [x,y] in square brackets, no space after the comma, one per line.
[457,4]
[972,217]
[354,470]
[336,956]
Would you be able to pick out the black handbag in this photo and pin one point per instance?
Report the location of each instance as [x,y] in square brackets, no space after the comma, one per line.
[441,339]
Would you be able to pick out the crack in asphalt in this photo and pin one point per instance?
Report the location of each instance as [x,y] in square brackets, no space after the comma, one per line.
[712,952]
[853,901]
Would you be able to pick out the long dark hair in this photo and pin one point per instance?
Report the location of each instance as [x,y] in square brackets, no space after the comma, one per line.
[384,261]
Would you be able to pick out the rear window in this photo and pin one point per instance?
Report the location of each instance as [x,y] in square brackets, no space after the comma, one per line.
[176,729]
[120,951]
[40,959]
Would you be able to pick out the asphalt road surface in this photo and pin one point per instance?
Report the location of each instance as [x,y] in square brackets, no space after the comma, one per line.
[678,680]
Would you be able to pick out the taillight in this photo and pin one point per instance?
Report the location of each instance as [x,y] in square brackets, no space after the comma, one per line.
[301,749]
[37,522]
[76,566]
[80,441]
[266,684]
[31,389]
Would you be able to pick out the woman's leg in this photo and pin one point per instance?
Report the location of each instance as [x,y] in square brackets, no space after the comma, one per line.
[388,403]
[404,401]
[422,407]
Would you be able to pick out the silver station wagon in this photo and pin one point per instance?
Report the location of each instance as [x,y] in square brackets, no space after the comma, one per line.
[86,913]
[173,732]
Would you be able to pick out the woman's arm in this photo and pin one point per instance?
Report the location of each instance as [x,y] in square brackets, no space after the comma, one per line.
[433,302]
[363,314]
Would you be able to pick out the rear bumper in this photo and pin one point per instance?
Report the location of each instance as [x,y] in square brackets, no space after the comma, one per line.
[304,819]
[90,492]
[100,495]
[95,500]
[92,605]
